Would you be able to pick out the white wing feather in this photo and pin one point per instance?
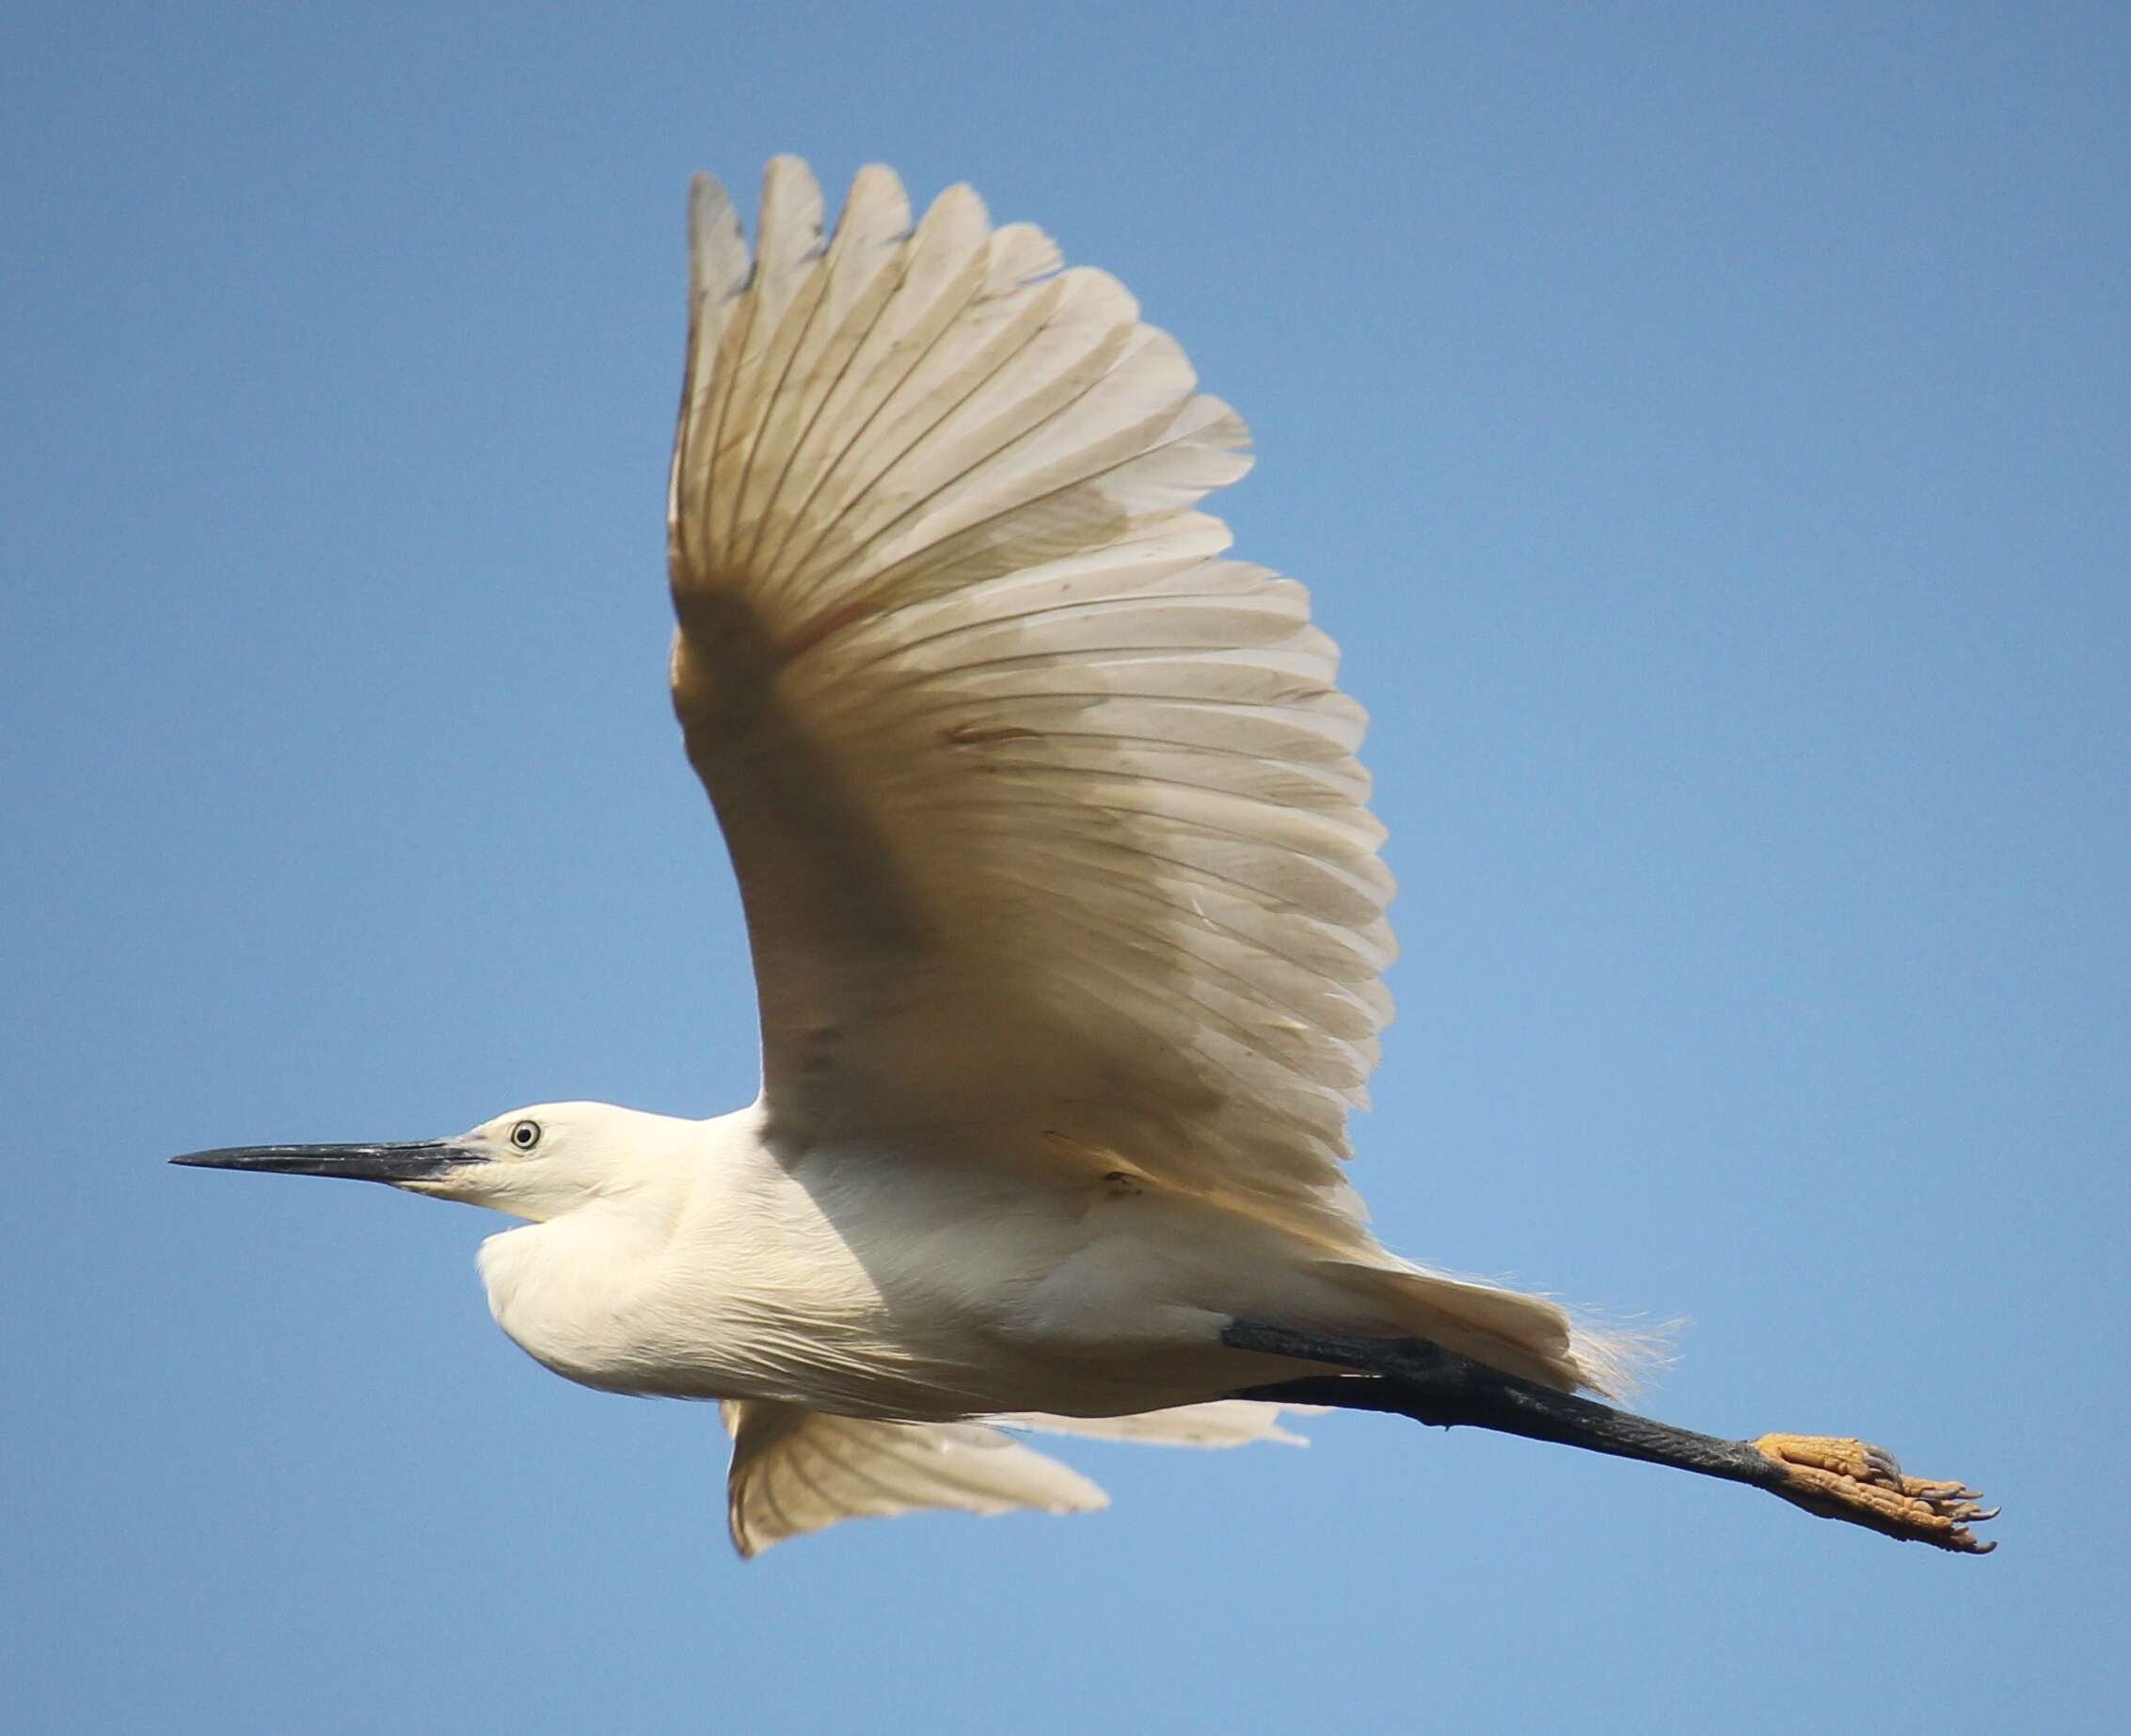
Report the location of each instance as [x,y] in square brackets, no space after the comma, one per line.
[795,1471]
[1046,816]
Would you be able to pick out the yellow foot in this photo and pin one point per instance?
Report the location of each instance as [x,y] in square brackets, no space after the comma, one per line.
[1846,1479]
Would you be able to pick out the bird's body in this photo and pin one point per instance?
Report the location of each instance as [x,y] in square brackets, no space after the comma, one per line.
[843,1278]
[855,1281]
[1068,924]
[957,1281]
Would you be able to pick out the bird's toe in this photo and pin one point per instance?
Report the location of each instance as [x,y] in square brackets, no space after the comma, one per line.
[1837,1477]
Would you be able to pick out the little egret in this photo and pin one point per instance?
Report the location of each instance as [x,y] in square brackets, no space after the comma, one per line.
[1067,923]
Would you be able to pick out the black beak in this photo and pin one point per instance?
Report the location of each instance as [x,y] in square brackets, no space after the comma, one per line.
[423,1160]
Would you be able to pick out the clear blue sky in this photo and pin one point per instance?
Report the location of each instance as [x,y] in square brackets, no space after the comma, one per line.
[1706,429]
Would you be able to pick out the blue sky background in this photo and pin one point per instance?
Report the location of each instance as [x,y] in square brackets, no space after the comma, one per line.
[1707,430]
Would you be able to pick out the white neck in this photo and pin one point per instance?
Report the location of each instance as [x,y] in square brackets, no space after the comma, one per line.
[571,1288]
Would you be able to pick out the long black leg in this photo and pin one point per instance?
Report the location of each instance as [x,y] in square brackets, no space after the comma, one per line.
[1837,1478]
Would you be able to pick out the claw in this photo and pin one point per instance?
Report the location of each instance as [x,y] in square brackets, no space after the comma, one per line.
[1840,1478]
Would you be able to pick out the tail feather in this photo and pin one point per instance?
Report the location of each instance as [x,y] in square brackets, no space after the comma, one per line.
[1531,1336]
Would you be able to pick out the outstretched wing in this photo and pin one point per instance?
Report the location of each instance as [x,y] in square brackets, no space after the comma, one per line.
[796,1471]
[1045,815]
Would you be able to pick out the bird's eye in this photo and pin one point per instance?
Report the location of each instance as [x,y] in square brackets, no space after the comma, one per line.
[526,1135]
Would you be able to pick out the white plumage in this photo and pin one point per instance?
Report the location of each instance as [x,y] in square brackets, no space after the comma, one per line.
[795,1471]
[1038,804]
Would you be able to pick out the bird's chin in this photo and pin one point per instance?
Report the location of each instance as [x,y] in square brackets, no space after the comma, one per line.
[465,1186]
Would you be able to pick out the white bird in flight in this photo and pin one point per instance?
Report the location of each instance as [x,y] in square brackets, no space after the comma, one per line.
[1067,923]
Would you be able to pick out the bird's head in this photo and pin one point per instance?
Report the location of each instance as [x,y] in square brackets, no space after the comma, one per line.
[535,1163]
